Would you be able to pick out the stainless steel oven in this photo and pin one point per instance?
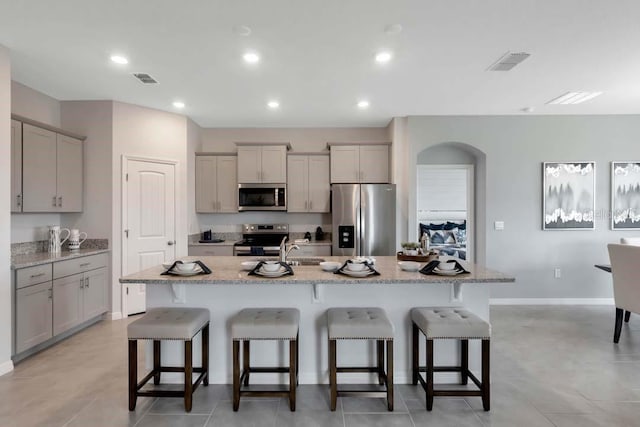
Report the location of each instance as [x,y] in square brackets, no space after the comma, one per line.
[261,239]
[262,197]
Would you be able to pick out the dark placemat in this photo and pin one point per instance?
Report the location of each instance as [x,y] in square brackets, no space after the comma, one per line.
[430,267]
[258,266]
[205,269]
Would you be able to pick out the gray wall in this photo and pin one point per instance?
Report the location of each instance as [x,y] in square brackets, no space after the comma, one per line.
[515,147]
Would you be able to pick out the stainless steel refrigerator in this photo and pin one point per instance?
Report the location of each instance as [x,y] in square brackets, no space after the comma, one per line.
[364,219]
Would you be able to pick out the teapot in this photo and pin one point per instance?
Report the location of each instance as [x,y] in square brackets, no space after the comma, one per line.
[55,244]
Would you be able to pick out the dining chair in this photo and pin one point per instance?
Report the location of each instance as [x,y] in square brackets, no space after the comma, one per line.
[635,241]
[626,282]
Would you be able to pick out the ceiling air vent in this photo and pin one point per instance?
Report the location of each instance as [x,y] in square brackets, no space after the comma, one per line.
[508,61]
[145,78]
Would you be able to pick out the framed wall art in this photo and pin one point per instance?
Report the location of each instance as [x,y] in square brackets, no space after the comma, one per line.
[625,195]
[568,193]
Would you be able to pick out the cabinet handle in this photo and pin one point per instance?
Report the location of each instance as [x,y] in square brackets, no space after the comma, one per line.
[86,282]
[50,294]
[85,264]
[19,201]
[219,205]
[81,283]
[310,204]
[33,276]
[305,205]
[54,201]
[60,201]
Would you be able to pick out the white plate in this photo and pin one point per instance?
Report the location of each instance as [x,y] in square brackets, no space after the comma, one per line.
[446,272]
[363,273]
[272,274]
[186,273]
[410,266]
[249,265]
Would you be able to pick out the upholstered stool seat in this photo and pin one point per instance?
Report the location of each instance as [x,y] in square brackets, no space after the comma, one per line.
[361,323]
[450,323]
[169,323]
[280,324]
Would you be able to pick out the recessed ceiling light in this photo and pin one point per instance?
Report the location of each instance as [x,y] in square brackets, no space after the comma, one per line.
[571,98]
[507,61]
[273,104]
[118,59]
[383,57]
[178,104]
[251,57]
[363,104]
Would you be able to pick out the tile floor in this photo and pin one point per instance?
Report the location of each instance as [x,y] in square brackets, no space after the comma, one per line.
[551,366]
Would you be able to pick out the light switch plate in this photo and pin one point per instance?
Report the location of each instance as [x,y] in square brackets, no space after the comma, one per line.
[498,225]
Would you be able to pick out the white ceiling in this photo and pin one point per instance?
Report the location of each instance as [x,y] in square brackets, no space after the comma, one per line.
[317,56]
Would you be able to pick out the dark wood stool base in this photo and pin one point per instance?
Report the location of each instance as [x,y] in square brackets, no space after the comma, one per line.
[241,379]
[427,383]
[188,369]
[385,378]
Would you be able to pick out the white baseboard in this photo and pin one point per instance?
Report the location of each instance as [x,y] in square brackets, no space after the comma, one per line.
[551,301]
[115,315]
[6,367]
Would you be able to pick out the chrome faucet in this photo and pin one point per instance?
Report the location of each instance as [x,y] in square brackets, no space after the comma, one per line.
[284,250]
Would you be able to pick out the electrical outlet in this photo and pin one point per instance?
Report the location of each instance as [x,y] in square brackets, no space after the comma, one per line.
[557,273]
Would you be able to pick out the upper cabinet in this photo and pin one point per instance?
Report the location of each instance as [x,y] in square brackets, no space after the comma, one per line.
[363,163]
[47,170]
[262,163]
[16,166]
[308,186]
[216,184]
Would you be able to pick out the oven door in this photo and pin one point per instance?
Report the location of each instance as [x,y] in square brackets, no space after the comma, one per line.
[256,251]
[262,197]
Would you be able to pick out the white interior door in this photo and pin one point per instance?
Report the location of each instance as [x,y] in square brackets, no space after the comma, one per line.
[148,223]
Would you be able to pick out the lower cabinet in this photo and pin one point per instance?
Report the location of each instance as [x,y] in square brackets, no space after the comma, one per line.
[33,315]
[218,250]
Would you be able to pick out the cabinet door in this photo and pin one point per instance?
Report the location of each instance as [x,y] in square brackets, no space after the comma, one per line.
[274,164]
[206,194]
[345,160]
[249,160]
[227,184]
[319,186]
[94,294]
[33,316]
[69,174]
[39,167]
[298,184]
[16,166]
[67,303]
[374,164]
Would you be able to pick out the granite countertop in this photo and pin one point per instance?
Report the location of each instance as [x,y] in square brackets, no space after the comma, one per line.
[227,270]
[39,258]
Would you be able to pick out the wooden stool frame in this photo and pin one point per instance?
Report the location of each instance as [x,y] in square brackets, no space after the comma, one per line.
[241,379]
[483,391]
[188,369]
[385,378]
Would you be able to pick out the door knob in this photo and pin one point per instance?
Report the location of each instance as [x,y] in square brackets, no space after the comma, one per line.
[171,242]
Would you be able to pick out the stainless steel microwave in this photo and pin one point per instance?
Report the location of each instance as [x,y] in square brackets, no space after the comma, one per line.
[262,197]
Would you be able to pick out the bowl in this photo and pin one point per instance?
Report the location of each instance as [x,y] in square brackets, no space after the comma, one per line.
[330,265]
[186,267]
[167,265]
[249,265]
[409,265]
[446,266]
[271,266]
[356,266]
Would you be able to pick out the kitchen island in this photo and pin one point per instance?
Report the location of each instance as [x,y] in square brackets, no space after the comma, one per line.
[228,289]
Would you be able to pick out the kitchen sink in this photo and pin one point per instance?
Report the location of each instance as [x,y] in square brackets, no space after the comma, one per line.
[298,260]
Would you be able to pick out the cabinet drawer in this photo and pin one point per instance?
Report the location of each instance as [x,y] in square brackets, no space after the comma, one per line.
[33,275]
[210,250]
[312,251]
[79,265]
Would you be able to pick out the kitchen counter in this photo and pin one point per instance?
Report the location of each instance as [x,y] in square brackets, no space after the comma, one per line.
[227,270]
[228,290]
[39,258]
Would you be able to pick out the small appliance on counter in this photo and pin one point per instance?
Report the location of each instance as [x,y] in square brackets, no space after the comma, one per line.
[207,237]
[319,234]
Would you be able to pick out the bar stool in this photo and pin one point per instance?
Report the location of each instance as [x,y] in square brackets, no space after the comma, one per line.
[169,324]
[280,324]
[451,323]
[361,324]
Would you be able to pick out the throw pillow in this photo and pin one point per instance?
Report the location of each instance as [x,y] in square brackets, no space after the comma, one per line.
[436,237]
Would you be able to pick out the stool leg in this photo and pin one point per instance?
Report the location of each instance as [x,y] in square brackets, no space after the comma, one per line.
[429,374]
[486,377]
[415,354]
[188,375]
[390,375]
[292,373]
[133,374]
[205,354]
[380,345]
[156,361]
[332,374]
[297,358]
[236,374]
[464,362]
[246,358]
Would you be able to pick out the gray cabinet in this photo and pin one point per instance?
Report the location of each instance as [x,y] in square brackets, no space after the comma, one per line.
[262,164]
[364,163]
[33,315]
[308,187]
[52,166]
[67,306]
[94,293]
[16,166]
[216,184]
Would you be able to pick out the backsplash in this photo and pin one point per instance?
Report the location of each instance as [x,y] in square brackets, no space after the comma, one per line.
[26,248]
